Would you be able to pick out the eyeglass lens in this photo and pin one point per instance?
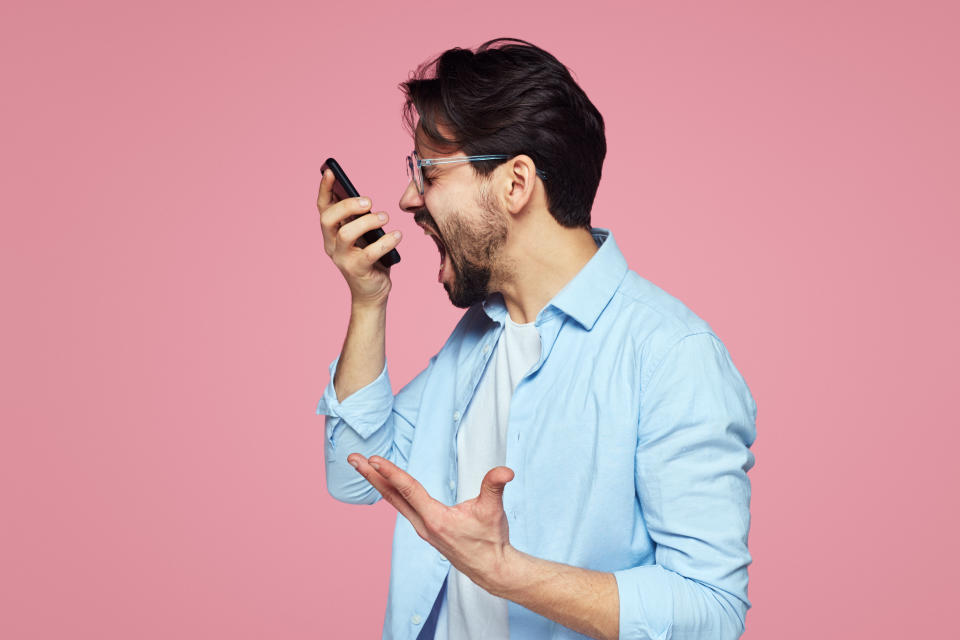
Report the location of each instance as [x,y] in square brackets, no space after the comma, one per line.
[413,170]
[417,171]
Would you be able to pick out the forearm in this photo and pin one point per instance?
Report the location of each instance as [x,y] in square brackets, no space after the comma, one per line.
[364,350]
[584,600]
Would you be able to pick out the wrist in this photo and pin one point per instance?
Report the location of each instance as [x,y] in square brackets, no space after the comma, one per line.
[368,306]
[508,575]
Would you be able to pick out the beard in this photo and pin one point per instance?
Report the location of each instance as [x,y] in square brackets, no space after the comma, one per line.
[471,280]
[472,249]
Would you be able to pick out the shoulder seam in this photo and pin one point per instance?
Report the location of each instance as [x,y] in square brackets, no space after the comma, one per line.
[658,310]
[666,352]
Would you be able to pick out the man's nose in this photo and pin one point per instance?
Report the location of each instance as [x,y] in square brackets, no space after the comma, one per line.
[411,200]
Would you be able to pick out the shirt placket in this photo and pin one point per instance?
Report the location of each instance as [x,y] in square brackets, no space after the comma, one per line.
[465,394]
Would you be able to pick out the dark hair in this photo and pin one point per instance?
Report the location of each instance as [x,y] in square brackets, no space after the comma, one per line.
[513,97]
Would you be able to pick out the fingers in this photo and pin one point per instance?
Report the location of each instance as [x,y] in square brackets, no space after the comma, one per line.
[333,215]
[342,247]
[341,214]
[325,197]
[491,488]
[382,246]
[389,492]
[350,231]
[411,490]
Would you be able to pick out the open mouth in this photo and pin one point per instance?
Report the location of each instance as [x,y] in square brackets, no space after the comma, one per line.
[440,247]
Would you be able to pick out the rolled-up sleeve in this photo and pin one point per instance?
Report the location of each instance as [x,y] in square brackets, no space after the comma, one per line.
[698,420]
[370,421]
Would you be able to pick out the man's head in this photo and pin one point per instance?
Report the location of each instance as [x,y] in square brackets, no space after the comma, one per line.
[511,98]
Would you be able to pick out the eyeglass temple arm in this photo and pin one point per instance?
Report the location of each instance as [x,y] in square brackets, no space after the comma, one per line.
[427,162]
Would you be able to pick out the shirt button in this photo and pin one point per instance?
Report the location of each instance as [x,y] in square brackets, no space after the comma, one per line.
[456,415]
[486,348]
[415,619]
[453,485]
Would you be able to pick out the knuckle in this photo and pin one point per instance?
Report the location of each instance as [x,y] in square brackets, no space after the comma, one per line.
[327,214]
[406,491]
[370,253]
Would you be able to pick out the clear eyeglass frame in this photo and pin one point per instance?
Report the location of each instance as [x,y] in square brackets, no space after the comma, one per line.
[415,162]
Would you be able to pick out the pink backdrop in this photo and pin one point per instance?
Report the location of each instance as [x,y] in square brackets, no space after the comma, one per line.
[790,172]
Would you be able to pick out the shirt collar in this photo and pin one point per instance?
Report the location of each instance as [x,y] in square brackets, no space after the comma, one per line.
[587,293]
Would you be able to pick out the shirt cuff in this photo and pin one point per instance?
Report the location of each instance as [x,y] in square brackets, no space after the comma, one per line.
[646,603]
[366,409]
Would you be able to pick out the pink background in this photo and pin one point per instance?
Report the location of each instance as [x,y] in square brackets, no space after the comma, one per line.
[789,171]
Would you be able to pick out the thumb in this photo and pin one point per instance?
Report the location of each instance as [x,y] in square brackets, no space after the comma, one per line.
[491,488]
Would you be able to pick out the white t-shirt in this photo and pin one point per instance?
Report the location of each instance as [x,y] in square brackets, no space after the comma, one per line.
[468,612]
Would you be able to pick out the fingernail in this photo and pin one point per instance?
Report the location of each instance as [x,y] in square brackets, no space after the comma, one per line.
[375,466]
[382,216]
[353,463]
[364,202]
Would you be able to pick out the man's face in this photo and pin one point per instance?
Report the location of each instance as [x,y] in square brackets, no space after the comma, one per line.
[461,215]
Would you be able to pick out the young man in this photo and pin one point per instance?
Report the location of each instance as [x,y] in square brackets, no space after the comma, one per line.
[573,462]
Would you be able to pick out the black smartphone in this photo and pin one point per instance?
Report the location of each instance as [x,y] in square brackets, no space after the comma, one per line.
[343,188]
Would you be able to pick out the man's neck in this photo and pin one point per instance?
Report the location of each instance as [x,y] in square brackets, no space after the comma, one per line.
[538,263]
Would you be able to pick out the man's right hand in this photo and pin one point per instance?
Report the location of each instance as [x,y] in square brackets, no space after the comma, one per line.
[369,281]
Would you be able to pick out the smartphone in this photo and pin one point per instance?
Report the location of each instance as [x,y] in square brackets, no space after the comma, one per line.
[343,188]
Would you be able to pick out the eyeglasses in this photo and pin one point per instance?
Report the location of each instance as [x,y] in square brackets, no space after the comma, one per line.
[415,162]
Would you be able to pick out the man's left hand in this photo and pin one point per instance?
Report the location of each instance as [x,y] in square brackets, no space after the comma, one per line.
[473,535]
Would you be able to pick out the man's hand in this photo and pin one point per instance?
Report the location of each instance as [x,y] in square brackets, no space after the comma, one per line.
[342,223]
[472,535]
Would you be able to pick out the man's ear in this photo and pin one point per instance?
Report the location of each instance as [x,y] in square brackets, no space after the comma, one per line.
[518,183]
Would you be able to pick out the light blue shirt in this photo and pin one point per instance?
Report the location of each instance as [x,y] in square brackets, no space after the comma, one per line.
[629,440]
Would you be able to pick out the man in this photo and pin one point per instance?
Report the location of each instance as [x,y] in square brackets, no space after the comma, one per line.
[573,462]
